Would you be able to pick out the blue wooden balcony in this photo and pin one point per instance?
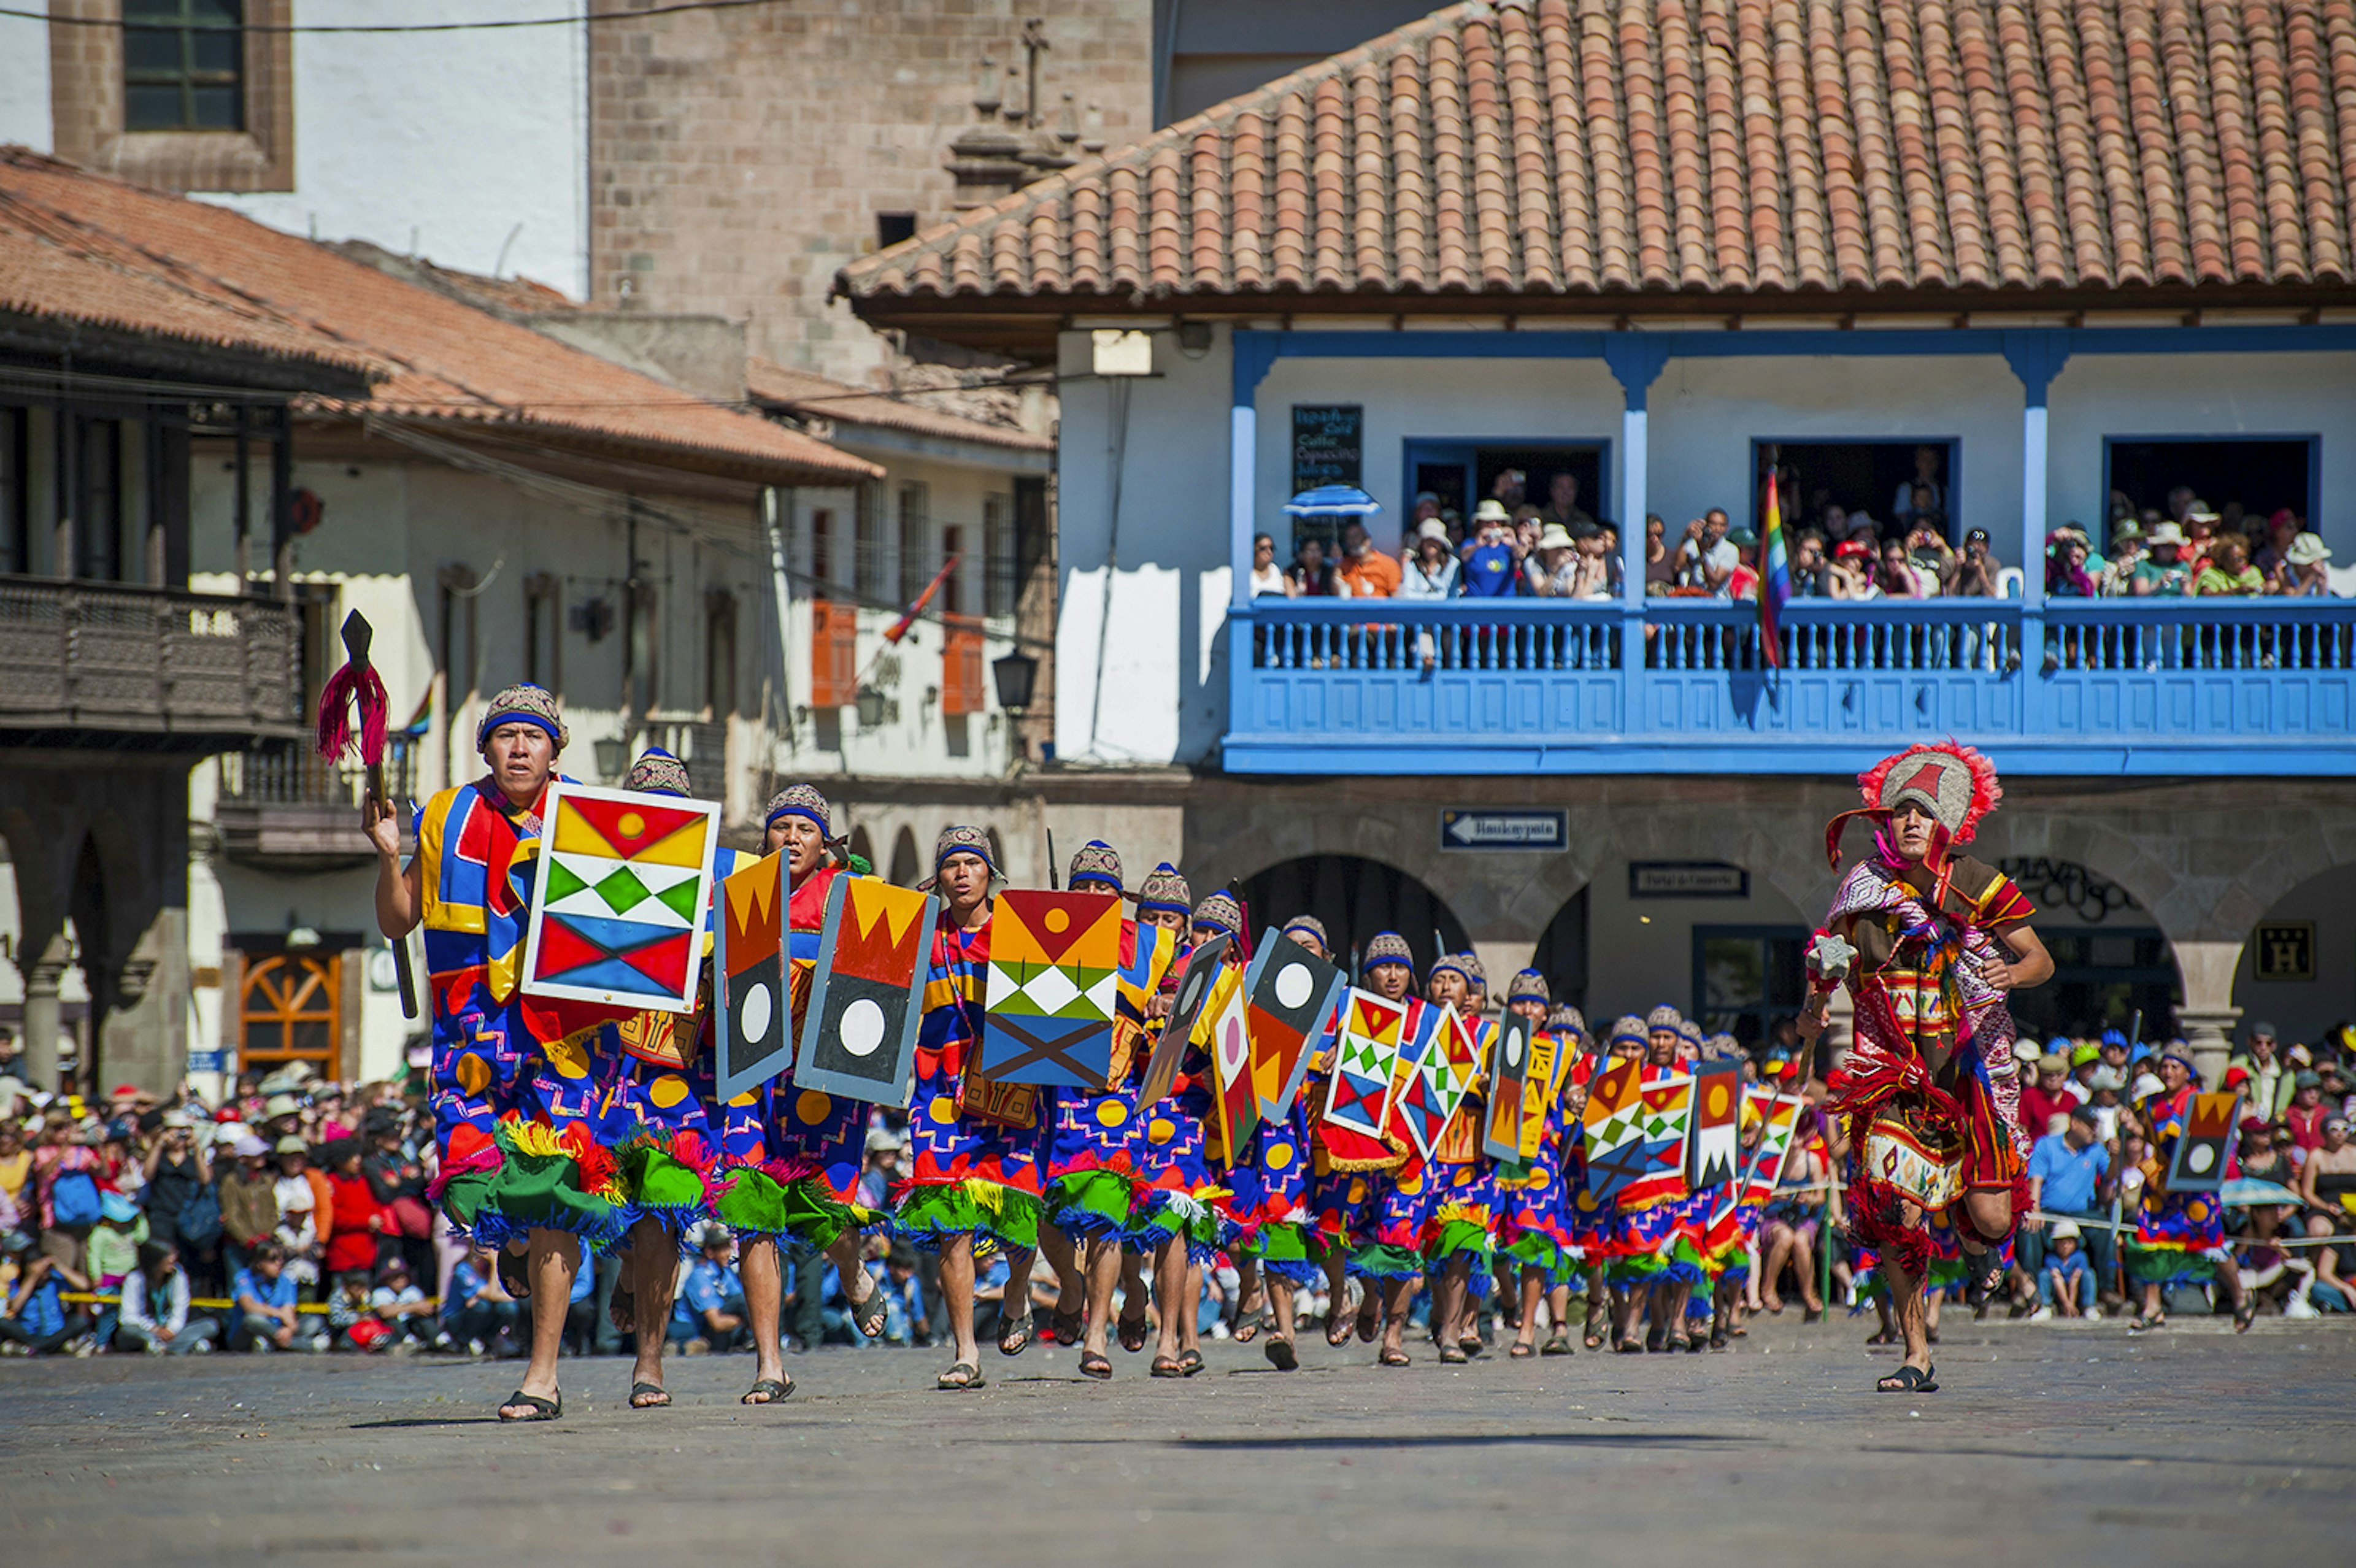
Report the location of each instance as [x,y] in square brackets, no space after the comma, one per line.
[2069,686]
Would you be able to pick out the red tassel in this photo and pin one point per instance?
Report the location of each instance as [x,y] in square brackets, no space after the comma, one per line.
[350,687]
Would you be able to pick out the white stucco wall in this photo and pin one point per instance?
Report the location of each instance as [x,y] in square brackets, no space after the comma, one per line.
[2258,395]
[25,83]
[2304,1010]
[443,144]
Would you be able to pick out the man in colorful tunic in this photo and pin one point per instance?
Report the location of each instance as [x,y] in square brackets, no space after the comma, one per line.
[1928,942]
[976,1141]
[2180,1237]
[514,1084]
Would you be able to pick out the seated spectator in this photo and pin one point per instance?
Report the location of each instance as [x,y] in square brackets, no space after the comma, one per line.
[264,1315]
[1936,561]
[33,1319]
[1978,573]
[1369,572]
[903,1297]
[2065,568]
[248,1201]
[882,1167]
[153,1315]
[710,1314]
[2114,575]
[1705,559]
[1850,574]
[2327,1185]
[1432,571]
[1553,568]
[352,1326]
[1312,577]
[1898,577]
[2066,1277]
[1811,572]
[1744,581]
[1660,564]
[2046,1098]
[359,1217]
[2303,1118]
[1267,577]
[2201,534]
[303,1217]
[1492,568]
[477,1313]
[2160,574]
[2229,571]
[2065,1178]
[2305,569]
[398,1303]
[112,1249]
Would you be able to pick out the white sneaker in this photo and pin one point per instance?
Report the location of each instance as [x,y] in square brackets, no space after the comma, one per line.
[2042,1315]
[2092,1314]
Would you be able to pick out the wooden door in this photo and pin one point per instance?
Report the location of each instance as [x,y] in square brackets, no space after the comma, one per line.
[290,1009]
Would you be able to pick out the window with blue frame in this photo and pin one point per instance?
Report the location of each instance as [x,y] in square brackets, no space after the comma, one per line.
[2249,477]
[1897,481]
[1460,474]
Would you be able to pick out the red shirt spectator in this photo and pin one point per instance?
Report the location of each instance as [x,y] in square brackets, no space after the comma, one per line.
[358,1217]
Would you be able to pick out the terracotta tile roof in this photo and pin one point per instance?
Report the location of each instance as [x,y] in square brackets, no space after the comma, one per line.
[57,271]
[440,359]
[814,396]
[1717,148]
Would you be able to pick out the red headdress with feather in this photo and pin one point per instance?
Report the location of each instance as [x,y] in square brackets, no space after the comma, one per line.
[1953,783]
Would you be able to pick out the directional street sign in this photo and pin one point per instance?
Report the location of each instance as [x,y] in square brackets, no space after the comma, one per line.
[1539,830]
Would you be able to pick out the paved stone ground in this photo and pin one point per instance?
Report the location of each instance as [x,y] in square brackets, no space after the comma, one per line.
[2074,1444]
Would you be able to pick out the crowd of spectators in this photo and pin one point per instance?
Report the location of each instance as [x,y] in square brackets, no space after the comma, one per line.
[1516,545]
[293,1217]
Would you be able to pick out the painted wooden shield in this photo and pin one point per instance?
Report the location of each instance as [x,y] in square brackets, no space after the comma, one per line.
[1510,1068]
[618,904]
[1290,993]
[1223,1030]
[1359,1097]
[858,1040]
[754,1032]
[1716,1146]
[1614,1130]
[2198,1165]
[1055,981]
[1668,1126]
[1194,981]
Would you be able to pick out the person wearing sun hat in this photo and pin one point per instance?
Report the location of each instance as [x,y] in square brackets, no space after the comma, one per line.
[975,1144]
[515,1083]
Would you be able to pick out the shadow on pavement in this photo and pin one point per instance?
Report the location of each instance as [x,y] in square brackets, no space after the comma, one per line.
[1364,1440]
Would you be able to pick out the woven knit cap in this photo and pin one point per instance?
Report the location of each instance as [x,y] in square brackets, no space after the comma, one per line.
[1165,893]
[1529,985]
[799,800]
[962,839]
[522,703]
[1453,964]
[1308,925]
[1474,970]
[1722,1045]
[1221,910]
[1690,1032]
[1097,862]
[1629,1028]
[1665,1017]
[1388,948]
[1566,1020]
[657,772]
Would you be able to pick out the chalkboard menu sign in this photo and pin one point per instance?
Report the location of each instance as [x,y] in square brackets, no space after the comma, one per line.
[1325,445]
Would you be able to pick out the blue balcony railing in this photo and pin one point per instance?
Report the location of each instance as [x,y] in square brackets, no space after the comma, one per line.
[2142,687]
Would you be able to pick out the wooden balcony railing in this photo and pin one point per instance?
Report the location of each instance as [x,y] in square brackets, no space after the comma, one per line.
[85,663]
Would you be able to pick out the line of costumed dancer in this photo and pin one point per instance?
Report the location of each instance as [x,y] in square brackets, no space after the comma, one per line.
[1638,1160]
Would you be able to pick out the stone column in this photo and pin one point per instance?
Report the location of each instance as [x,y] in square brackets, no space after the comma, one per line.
[2208,1016]
[42,1021]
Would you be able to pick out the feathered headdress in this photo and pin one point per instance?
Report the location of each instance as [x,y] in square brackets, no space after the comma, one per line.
[1951,782]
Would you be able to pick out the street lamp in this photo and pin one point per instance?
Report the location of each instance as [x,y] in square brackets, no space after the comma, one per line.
[1014,674]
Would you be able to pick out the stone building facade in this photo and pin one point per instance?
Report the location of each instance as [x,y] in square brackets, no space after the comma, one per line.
[738,159]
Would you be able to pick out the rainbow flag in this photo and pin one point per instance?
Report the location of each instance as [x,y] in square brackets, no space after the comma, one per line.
[1774,581]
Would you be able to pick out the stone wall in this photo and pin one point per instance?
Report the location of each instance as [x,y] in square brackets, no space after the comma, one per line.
[738,158]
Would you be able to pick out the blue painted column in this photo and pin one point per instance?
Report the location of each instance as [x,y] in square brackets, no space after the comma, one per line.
[1636,359]
[1252,353]
[2035,357]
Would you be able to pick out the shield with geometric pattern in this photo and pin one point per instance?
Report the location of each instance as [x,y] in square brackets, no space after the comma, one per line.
[619,902]
[2198,1165]
[1291,992]
[1667,1124]
[1509,1074]
[1716,1144]
[1614,1129]
[1364,1055]
[1202,970]
[1223,1030]
[866,999]
[1428,1095]
[1055,981]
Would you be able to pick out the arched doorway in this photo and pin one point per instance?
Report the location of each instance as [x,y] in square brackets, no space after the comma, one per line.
[2111,959]
[861,846]
[2293,972]
[1356,897]
[904,863]
[1561,953]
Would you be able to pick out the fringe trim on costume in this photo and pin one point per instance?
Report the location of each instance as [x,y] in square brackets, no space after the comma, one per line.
[1091,1203]
[2164,1266]
[484,1157]
[1282,1248]
[1380,1260]
[1533,1249]
[930,1215]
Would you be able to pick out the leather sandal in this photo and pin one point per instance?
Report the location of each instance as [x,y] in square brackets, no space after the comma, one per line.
[541,1409]
[1094,1365]
[771,1389]
[650,1396]
[1908,1379]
